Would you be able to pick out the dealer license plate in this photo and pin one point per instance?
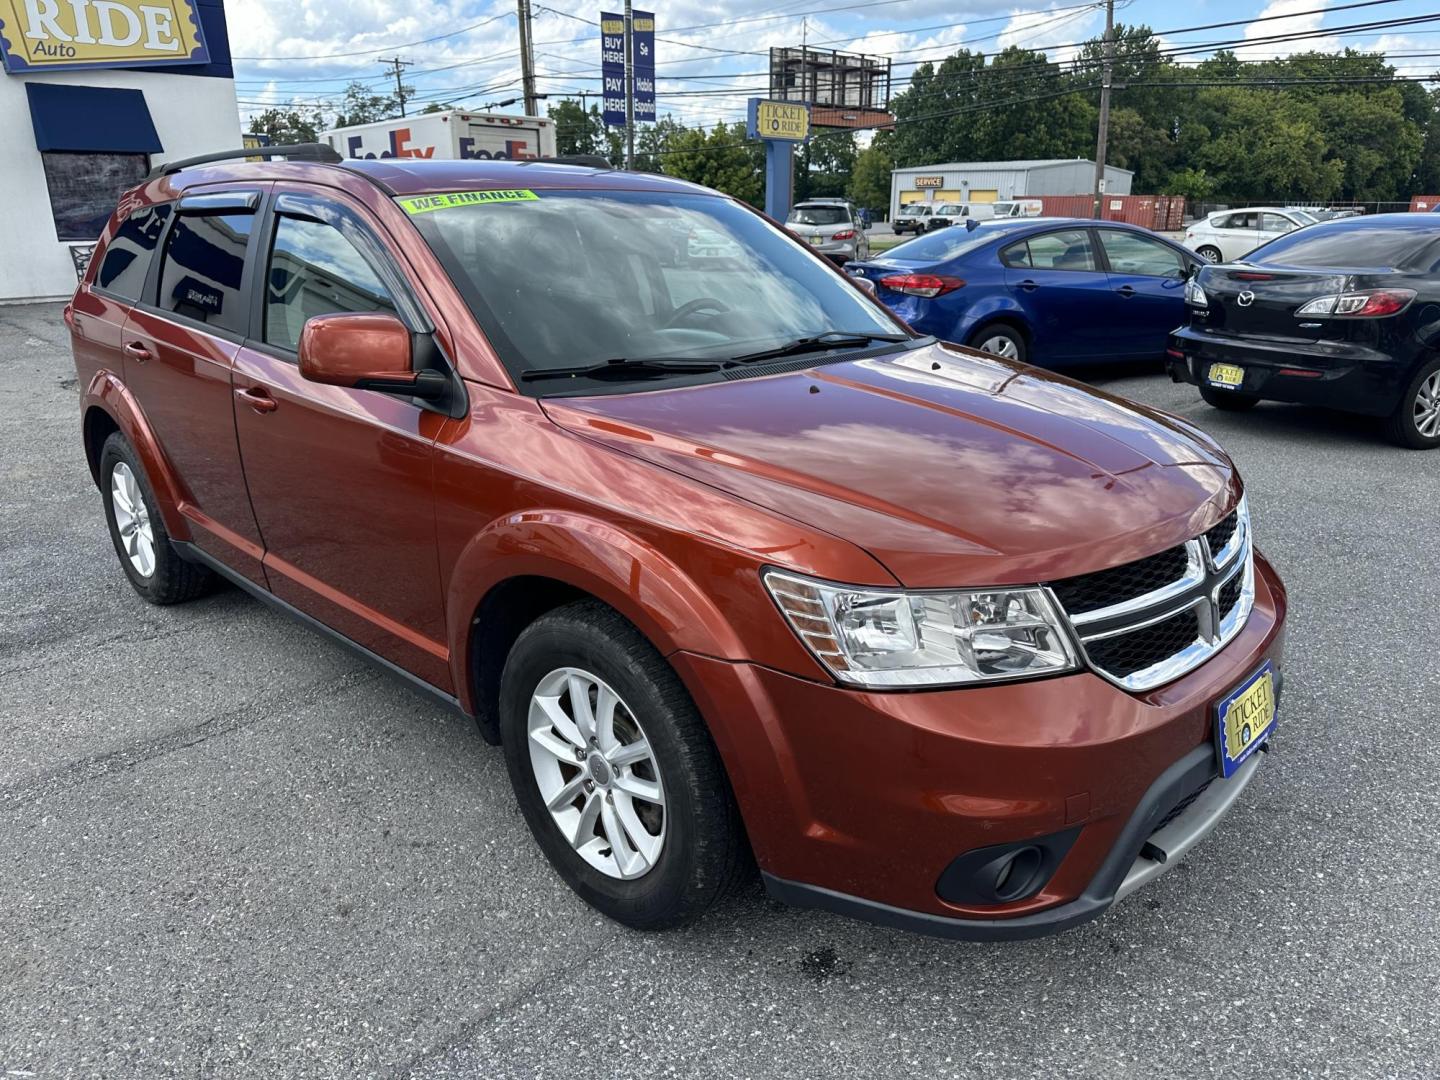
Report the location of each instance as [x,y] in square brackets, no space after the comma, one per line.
[1245,719]
[1227,375]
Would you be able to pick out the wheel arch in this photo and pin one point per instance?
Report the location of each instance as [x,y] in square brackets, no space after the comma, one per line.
[110,407]
[1014,320]
[532,562]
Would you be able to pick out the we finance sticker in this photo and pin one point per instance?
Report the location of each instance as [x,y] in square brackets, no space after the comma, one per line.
[424,204]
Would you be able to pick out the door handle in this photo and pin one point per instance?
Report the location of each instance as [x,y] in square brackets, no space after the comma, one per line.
[1028,285]
[1126,291]
[258,398]
[137,352]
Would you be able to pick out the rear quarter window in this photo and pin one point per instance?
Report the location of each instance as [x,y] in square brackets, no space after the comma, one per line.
[127,257]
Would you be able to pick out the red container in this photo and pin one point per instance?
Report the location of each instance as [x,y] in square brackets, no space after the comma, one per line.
[1424,203]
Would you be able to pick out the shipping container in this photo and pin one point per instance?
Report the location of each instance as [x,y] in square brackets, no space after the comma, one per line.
[1424,204]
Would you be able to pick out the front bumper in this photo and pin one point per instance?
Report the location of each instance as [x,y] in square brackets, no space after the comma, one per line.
[857,802]
[1333,374]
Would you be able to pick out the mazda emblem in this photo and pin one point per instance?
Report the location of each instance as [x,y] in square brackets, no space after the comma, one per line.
[1246,298]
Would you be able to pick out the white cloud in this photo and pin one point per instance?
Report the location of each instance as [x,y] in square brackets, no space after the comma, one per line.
[1288,24]
[1051,33]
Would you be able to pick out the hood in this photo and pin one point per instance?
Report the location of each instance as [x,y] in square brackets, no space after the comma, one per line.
[948,466]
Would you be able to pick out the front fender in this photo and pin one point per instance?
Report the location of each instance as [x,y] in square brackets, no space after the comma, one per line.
[598,558]
[110,395]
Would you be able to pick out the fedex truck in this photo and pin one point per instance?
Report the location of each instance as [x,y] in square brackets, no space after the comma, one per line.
[453,134]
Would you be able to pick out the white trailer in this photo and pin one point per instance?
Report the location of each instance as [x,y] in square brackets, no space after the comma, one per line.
[448,135]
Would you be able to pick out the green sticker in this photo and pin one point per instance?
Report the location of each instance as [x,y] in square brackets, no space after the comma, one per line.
[423,204]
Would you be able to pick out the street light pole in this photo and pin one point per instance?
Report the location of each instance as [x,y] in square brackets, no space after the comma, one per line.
[527,57]
[1106,76]
[629,90]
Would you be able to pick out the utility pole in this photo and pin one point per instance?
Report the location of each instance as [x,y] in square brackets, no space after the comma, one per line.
[629,90]
[527,57]
[399,67]
[1107,72]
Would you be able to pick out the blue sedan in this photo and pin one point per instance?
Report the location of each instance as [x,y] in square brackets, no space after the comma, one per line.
[1051,291]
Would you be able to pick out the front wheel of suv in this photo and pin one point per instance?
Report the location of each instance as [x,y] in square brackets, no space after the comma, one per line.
[157,573]
[1415,423]
[615,771]
[1228,400]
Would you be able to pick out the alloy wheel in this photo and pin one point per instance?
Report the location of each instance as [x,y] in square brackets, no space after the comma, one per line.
[597,773]
[132,519]
[1427,406]
[1001,346]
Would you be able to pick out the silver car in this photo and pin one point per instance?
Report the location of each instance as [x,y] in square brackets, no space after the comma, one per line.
[831,228]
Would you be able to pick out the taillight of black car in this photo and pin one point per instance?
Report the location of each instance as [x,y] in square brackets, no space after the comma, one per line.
[1366,304]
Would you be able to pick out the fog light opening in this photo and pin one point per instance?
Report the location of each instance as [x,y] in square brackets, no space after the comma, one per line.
[1016,875]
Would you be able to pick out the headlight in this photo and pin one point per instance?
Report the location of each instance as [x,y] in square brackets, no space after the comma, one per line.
[881,637]
[1195,295]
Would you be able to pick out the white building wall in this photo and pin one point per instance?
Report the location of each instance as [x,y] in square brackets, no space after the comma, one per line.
[192,115]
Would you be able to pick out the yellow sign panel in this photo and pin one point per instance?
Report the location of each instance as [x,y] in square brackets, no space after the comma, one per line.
[612,26]
[51,34]
[777,120]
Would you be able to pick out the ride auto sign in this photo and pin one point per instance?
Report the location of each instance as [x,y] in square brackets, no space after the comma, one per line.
[40,35]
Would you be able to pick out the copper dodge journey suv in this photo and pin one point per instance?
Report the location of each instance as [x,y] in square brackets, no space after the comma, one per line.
[730,562]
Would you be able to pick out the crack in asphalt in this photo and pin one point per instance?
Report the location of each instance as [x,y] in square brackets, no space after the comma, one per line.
[85,770]
[467,1031]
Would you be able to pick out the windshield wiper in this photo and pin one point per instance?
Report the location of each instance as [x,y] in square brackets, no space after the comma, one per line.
[831,339]
[621,365]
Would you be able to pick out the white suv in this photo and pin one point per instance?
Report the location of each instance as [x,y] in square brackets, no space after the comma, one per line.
[1229,234]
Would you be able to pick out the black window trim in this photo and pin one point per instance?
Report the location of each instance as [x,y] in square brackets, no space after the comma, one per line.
[326,210]
[150,300]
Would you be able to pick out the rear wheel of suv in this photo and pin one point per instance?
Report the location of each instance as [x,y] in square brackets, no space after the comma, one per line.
[1415,423]
[138,533]
[615,771]
[1228,400]
[1208,252]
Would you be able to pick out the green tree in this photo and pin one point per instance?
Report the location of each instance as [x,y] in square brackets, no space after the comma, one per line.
[870,179]
[577,131]
[287,126]
[721,159]
[361,105]
[824,164]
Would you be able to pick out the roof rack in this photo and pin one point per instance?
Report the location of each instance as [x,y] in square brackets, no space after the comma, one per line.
[296,152]
[588,161]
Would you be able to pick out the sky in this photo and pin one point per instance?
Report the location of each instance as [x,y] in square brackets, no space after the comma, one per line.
[710,59]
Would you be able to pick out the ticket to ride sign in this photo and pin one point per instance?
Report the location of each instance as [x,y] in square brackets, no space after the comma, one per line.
[38,35]
[778,120]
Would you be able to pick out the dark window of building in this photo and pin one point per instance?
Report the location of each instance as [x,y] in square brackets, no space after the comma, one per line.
[127,258]
[85,188]
[204,262]
[315,270]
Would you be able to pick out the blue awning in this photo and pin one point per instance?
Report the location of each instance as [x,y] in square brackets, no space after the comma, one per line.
[94,119]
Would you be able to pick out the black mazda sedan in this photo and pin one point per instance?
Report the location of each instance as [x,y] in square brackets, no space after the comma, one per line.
[1344,314]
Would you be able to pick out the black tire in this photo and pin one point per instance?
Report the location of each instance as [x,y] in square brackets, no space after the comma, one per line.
[1228,400]
[172,580]
[1401,425]
[704,850]
[990,331]
[1209,252]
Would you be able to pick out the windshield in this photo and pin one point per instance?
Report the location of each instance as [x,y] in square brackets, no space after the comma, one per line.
[1303,217]
[1341,244]
[818,215]
[561,279]
[945,244]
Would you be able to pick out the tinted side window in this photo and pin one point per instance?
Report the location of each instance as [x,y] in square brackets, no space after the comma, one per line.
[1016,254]
[127,259]
[1066,250]
[315,270]
[204,261]
[1131,254]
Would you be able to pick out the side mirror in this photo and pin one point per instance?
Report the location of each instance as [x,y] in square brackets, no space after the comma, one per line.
[365,351]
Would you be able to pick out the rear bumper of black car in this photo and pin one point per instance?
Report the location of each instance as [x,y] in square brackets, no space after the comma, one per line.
[1341,375]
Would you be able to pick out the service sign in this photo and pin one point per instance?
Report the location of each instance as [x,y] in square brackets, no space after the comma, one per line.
[929,181]
[41,35]
[778,120]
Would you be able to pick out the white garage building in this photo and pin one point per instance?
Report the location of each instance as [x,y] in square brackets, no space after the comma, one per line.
[92,95]
[990,181]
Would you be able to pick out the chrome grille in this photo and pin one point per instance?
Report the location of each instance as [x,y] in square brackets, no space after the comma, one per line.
[1146,623]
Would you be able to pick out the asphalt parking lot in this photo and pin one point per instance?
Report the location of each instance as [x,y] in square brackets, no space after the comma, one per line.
[229,849]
